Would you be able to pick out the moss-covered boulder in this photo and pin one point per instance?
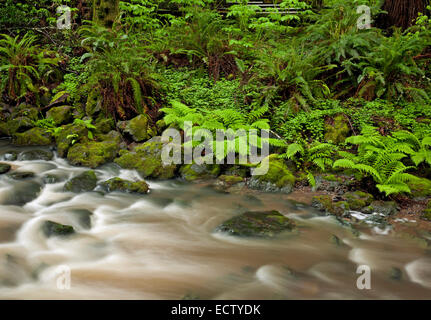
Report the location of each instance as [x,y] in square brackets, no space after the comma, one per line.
[420,188]
[16,125]
[229,183]
[84,182]
[138,128]
[104,125]
[92,154]
[146,159]
[385,208]
[36,155]
[51,229]
[67,135]
[358,199]
[33,137]
[265,224]
[4,168]
[337,130]
[192,172]
[277,179]
[60,115]
[121,185]
[327,204]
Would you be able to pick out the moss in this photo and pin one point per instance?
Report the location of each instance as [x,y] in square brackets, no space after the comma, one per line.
[33,137]
[60,115]
[18,125]
[426,214]
[146,159]
[4,168]
[277,178]
[338,131]
[64,141]
[358,199]
[420,188]
[118,184]
[325,203]
[332,178]
[257,224]
[191,172]
[104,125]
[92,154]
[50,228]
[84,182]
[230,180]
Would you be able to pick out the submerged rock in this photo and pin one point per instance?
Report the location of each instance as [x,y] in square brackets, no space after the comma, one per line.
[192,172]
[118,184]
[4,168]
[33,137]
[257,224]
[36,155]
[386,208]
[226,183]
[358,199]
[146,159]
[21,175]
[277,179]
[60,115]
[22,193]
[10,155]
[51,228]
[83,216]
[84,182]
[92,154]
[327,204]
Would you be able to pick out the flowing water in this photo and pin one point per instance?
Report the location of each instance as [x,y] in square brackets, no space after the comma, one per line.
[162,245]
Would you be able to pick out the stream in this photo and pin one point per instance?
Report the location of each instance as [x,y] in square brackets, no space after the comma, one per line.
[163,246]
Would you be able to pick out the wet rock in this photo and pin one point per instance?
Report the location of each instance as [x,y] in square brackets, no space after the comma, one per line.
[192,172]
[4,168]
[358,199]
[36,155]
[17,125]
[337,131]
[265,224]
[333,183]
[237,170]
[138,128]
[426,214]
[21,175]
[92,154]
[386,208]
[33,137]
[104,125]
[146,159]
[277,179]
[83,216]
[118,184]
[84,182]
[23,193]
[51,179]
[336,241]
[395,274]
[67,135]
[51,228]
[225,183]
[60,115]
[10,156]
[325,203]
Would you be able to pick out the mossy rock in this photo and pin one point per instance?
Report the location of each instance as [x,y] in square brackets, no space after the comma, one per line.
[426,214]
[63,139]
[338,131]
[325,203]
[21,175]
[84,182]
[104,125]
[51,228]
[137,128]
[147,160]
[358,199]
[266,224]
[386,208]
[192,172]
[277,179]
[118,184]
[33,137]
[36,155]
[60,115]
[420,188]
[92,154]
[25,110]
[10,155]
[4,168]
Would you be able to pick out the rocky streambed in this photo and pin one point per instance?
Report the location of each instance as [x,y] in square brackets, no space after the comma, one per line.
[120,236]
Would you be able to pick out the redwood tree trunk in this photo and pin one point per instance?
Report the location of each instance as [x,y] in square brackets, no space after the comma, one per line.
[402,13]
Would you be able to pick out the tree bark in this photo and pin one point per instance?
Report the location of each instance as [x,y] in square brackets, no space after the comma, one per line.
[402,13]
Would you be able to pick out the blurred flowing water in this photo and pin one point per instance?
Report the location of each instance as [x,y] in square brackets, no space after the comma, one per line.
[162,245]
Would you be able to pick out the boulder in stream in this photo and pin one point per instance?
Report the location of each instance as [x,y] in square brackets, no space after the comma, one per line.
[51,228]
[36,155]
[118,184]
[263,224]
[4,168]
[84,182]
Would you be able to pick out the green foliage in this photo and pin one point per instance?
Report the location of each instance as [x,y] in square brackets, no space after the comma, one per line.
[87,124]
[379,157]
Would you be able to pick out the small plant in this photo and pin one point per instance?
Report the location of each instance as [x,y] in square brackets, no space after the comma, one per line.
[87,124]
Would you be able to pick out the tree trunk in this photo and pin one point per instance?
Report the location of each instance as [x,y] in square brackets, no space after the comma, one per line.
[402,13]
[105,11]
